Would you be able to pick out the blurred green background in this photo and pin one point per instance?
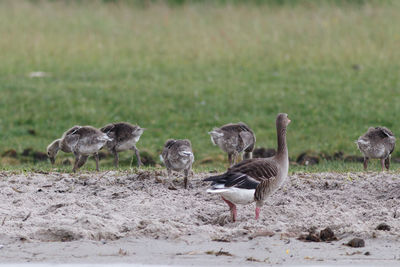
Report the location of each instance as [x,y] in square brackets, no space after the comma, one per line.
[179,68]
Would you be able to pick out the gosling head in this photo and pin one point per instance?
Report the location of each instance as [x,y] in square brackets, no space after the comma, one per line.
[138,131]
[215,135]
[52,150]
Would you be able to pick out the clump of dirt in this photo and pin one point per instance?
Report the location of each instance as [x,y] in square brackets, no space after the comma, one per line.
[338,155]
[55,234]
[146,158]
[31,131]
[263,152]
[312,236]
[356,243]
[325,235]
[210,159]
[39,156]
[307,159]
[353,158]
[219,253]
[383,227]
[11,153]
[27,152]
[104,155]
[67,162]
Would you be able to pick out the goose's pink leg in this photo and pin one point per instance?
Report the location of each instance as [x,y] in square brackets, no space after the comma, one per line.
[257,212]
[232,207]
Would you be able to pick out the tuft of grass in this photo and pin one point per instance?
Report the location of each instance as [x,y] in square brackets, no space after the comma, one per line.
[181,71]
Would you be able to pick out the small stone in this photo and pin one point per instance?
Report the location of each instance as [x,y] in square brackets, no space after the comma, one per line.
[367,253]
[383,227]
[356,243]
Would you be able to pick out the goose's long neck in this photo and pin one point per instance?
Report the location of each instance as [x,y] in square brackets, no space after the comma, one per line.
[282,146]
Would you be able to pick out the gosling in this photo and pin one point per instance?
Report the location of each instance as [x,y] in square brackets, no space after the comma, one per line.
[377,143]
[80,140]
[177,155]
[234,138]
[124,137]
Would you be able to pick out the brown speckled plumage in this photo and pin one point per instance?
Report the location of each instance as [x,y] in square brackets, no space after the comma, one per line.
[379,143]
[234,138]
[178,156]
[80,140]
[124,137]
[254,179]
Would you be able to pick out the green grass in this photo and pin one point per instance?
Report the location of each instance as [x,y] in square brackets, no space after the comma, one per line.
[324,166]
[180,71]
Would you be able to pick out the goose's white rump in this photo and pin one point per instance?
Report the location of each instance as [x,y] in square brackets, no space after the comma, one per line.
[234,194]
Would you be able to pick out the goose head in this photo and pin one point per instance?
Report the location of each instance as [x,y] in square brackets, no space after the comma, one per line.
[282,120]
[52,150]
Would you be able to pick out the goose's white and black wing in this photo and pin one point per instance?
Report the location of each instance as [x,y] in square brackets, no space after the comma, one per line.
[246,181]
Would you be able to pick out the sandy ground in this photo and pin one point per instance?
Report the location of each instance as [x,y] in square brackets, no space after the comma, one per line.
[119,217]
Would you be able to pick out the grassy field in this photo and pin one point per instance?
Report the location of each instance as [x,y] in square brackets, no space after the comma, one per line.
[179,71]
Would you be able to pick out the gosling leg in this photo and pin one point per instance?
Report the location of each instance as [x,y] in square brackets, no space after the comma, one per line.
[82,161]
[383,164]
[185,181]
[139,162]
[387,162]
[76,162]
[116,159]
[96,157]
[365,163]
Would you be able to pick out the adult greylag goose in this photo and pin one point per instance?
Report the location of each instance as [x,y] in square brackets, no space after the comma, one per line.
[377,143]
[80,140]
[124,137]
[177,155]
[254,179]
[234,138]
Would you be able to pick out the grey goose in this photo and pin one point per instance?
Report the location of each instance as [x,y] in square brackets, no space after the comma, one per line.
[253,180]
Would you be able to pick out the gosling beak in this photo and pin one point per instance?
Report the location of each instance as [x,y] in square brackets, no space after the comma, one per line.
[52,160]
